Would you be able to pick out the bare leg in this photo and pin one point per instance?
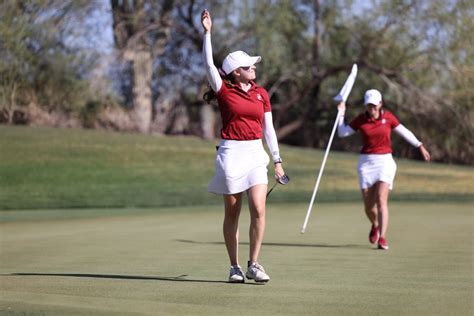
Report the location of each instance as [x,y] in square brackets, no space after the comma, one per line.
[370,204]
[232,205]
[382,206]
[257,199]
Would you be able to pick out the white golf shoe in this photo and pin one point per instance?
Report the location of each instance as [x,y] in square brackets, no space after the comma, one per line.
[257,273]
[236,275]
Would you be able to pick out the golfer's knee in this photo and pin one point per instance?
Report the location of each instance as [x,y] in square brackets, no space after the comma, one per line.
[231,217]
[370,207]
[258,213]
[381,201]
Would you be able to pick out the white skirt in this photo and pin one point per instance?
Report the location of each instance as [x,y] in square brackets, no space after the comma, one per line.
[373,168]
[239,166]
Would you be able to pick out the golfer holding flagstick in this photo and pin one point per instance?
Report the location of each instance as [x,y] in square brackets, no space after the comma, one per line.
[376,167]
[241,160]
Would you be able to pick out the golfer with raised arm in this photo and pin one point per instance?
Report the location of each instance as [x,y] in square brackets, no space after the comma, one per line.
[376,167]
[241,161]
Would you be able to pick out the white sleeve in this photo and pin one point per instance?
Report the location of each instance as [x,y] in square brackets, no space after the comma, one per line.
[212,73]
[343,130]
[407,135]
[270,136]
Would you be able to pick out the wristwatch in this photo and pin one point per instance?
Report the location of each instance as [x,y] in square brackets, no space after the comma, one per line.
[277,161]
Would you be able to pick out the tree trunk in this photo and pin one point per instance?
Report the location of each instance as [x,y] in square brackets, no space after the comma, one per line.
[311,131]
[142,72]
[207,121]
[141,32]
[180,123]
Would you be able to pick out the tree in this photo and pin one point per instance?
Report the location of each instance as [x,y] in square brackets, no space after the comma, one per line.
[418,53]
[409,50]
[37,66]
[141,32]
[180,107]
[415,64]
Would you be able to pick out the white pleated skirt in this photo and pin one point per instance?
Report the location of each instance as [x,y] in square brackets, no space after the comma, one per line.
[239,165]
[373,168]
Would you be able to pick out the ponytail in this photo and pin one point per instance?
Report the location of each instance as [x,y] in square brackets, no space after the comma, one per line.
[210,94]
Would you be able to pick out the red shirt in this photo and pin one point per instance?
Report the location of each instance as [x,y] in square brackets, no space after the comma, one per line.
[375,133]
[242,112]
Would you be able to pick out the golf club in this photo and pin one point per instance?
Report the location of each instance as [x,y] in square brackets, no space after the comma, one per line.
[284,179]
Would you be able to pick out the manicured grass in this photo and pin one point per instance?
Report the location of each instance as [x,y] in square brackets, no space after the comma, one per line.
[44,168]
[173,262]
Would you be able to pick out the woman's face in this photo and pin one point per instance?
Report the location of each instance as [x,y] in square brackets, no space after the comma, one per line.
[374,110]
[244,74]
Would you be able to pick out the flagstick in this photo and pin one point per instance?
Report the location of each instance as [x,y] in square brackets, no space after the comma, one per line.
[308,213]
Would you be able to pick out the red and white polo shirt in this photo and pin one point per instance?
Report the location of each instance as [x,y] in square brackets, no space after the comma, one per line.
[242,112]
[375,132]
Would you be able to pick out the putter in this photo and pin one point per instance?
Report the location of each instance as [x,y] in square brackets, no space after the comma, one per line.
[284,179]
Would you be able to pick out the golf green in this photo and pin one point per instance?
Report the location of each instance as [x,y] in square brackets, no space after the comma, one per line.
[172,261]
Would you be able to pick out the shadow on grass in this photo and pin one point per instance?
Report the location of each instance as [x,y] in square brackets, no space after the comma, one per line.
[278,244]
[180,278]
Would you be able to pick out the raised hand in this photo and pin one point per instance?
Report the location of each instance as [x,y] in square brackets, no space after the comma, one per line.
[206,20]
[341,108]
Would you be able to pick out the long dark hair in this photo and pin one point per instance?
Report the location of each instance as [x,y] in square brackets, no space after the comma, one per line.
[210,94]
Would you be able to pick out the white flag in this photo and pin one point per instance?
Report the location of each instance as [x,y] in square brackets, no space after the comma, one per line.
[346,89]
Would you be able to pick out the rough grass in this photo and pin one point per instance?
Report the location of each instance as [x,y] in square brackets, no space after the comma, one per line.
[43,168]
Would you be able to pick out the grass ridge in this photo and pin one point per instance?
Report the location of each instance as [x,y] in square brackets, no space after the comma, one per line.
[42,168]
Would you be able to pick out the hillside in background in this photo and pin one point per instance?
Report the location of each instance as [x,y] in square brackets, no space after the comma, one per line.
[72,168]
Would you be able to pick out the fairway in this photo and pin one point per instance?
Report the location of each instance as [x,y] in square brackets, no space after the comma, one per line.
[172,261]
